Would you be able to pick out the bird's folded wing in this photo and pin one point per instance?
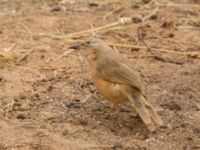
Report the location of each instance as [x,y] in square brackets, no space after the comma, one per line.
[121,72]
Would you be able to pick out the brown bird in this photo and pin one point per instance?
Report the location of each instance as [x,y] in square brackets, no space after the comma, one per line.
[118,80]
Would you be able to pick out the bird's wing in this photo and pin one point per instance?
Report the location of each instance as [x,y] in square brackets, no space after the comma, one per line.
[119,71]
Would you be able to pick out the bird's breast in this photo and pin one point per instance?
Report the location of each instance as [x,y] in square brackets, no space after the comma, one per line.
[111,91]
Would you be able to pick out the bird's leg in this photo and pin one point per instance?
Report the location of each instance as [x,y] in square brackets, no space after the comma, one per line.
[111,108]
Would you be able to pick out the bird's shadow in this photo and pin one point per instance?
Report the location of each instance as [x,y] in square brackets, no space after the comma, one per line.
[94,114]
[122,121]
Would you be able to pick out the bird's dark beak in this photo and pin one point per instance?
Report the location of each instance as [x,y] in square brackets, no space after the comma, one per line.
[76,47]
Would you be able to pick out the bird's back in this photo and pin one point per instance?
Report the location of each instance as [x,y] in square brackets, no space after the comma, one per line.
[116,68]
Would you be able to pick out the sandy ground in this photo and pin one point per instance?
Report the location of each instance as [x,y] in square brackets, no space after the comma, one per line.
[48,102]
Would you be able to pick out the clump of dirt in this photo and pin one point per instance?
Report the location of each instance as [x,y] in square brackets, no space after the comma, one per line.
[47,100]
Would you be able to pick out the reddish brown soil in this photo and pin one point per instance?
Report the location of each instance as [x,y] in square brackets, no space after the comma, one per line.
[44,104]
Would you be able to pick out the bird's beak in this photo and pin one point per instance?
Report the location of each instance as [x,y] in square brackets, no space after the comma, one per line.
[76,46]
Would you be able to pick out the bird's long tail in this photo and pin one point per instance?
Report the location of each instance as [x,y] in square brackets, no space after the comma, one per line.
[146,111]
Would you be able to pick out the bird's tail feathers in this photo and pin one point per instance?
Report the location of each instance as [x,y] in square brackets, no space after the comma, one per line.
[146,111]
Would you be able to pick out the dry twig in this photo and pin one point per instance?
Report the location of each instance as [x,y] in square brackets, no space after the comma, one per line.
[20,67]
[8,57]
[64,54]
[164,59]
[153,49]
[188,28]
[71,36]
[88,97]
[27,29]
[9,107]
[118,9]
[23,57]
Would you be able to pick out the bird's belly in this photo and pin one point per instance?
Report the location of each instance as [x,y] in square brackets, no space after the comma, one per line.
[111,91]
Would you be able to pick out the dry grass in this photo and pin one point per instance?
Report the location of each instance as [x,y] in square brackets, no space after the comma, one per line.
[8,57]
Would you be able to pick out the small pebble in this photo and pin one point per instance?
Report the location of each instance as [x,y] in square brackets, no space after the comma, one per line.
[21,116]
[93,4]
[65,132]
[150,140]
[2,78]
[83,122]
[25,107]
[50,88]
[55,7]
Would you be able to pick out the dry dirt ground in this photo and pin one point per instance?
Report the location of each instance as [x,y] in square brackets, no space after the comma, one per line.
[47,100]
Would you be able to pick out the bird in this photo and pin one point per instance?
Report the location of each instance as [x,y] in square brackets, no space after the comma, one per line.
[117,79]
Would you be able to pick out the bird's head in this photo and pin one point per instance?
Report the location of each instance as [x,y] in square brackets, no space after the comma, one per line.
[93,49]
[95,44]
[90,49]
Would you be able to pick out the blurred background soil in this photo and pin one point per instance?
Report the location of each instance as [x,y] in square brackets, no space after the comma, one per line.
[47,100]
